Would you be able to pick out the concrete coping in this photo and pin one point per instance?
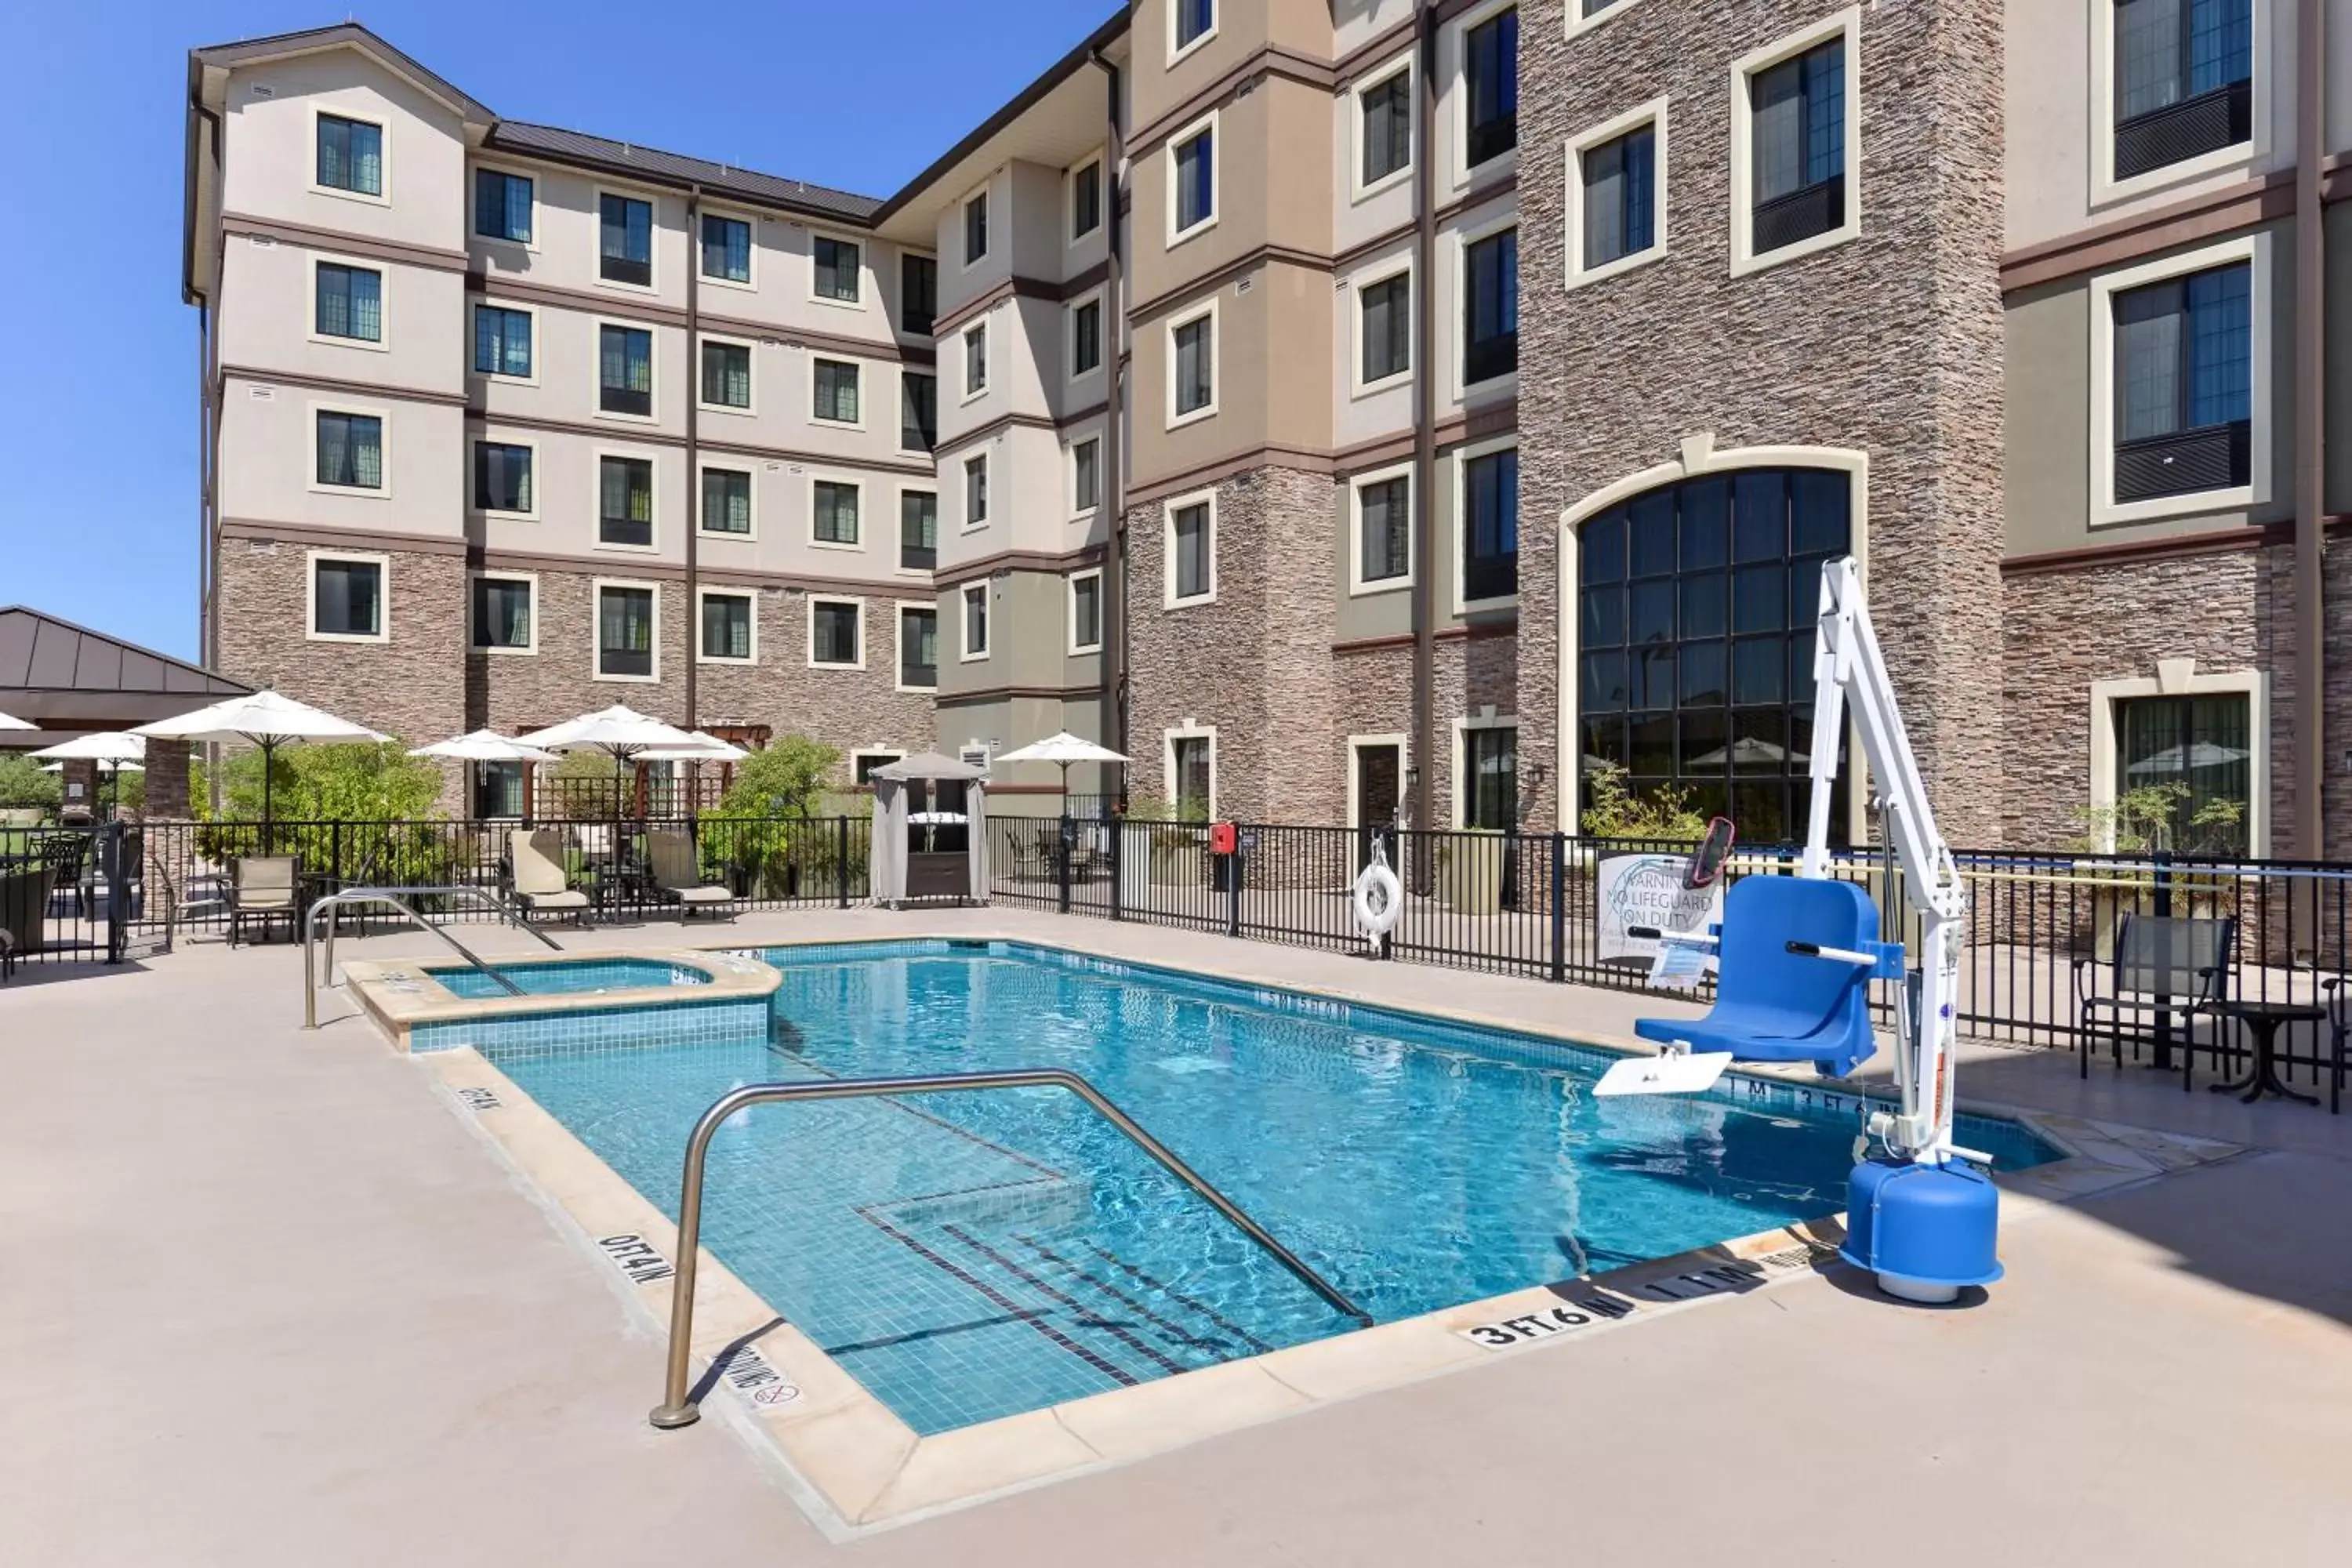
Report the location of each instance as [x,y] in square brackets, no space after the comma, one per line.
[401,993]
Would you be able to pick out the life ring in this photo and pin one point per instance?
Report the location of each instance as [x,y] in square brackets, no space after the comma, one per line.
[1378,898]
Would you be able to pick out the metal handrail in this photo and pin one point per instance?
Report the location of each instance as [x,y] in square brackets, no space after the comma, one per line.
[398,899]
[678,1410]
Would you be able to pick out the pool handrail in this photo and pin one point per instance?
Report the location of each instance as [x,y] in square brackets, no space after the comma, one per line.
[398,897]
[677,1409]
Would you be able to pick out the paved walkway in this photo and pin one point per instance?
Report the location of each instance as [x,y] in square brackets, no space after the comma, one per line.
[270,1302]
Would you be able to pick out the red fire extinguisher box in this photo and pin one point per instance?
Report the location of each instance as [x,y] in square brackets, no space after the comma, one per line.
[1223,839]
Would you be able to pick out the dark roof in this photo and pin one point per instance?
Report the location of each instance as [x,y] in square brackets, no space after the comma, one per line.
[42,653]
[674,168]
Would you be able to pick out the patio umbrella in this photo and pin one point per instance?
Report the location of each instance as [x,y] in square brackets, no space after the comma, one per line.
[2187,759]
[620,731]
[1064,749]
[10,721]
[265,719]
[108,748]
[706,748]
[102,767]
[483,746]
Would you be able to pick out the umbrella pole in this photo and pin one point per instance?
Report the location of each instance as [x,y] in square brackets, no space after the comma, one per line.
[269,767]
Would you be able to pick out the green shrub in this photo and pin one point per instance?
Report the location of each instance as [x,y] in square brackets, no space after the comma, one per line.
[1617,811]
[22,783]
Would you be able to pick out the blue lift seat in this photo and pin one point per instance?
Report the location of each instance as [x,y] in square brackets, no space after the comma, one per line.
[1774,1005]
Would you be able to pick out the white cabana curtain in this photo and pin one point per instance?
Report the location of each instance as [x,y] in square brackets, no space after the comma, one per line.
[886,859]
[976,810]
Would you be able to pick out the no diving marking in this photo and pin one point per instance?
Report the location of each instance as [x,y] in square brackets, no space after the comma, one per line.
[478,1099]
[750,1374]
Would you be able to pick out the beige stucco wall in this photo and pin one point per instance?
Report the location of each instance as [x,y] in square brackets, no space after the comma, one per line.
[274,151]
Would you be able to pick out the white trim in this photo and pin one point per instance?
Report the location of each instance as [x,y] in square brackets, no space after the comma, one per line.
[707,341]
[516,170]
[1459,371]
[484,438]
[1459,766]
[1071,598]
[596,586]
[908,373]
[857,601]
[1465,172]
[899,608]
[2254,251]
[1395,66]
[969,523]
[1845,24]
[1356,743]
[383,564]
[596,456]
[529,650]
[1070,335]
[749,468]
[382,123]
[1577,23]
[1167,510]
[1188,730]
[1177,51]
[836,477]
[702,597]
[652,285]
[1175,144]
[1463,456]
[1098,161]
[750,284]
[899,539]
[381,341]
[964,592]
[1206,309]
[1358,386]
[476,302]
[858,753]
[1357,586]
[1091,437]
[382,416]
[838,237]
[1653,114]
[856,365]
[2182,680]
[964,360]
[986,196]
[596,363]
[2245,156]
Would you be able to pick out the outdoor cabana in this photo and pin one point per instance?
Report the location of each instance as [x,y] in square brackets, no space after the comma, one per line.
[931,831]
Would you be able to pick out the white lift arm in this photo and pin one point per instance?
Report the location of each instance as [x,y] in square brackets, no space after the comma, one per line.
[1849,669]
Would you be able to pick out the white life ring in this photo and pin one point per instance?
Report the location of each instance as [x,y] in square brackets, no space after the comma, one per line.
[1378,898]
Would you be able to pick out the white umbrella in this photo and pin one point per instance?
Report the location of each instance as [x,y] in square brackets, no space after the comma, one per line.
[10,721]
[484,746]
[106,746]
[265,719]
[1064,749]
[620,731]
[2184,759]
[706,748]
[102,767]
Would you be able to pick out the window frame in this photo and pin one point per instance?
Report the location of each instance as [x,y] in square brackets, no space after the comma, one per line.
[1359,188]
[856,483]
[2253,251]
[1372,278]
[596,456]
[1081,509]
[899,322]
[858,756]
[478,439]
[1070,602]
[857,371]
[1579,23]
[747,284]
[975,462]
[530,580]
[1653,115]
[381,562]
[480,167]
[652,285]
[1203,310]
[1183,49]
[1845,25]
[383,417]
[1464,240]
[381,341]
[907,373]
[705,466]
[702,597]
[1170,166]
[966,359]
[2172,680]
[898,643]
[857,301]
[1167,510]
[1465,172]
[983,199]
[964,654]
[596,586]
[1072,236]
[2104,85]
[1070,335]
[1463,725]
[382,123]
[904,490]
[704,342]
[652,368]
[1187,731]
[477,303]
[1358,585]
[1463,456]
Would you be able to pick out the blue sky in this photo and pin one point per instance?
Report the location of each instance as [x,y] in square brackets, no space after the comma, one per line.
[98,417]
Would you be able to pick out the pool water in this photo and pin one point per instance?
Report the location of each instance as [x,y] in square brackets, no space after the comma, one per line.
[972,1256]
[569,977]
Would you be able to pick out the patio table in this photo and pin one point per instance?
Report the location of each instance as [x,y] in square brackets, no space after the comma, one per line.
[2261,1020]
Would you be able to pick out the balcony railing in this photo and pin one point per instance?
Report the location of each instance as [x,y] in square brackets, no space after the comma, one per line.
[2209,458]
[1800,215]
[1483,359]
[2213,120]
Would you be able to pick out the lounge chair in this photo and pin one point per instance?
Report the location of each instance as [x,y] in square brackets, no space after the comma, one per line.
[23,909]
[536,860]
[2164,968]
[678,877]
[264,888]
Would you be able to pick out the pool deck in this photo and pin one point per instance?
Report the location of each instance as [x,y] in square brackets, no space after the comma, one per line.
[276,1304]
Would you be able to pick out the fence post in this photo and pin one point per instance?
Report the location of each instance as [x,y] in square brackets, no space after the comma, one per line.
[1558,908]
[1396,864]
[841,860]
[1117,867]
[1062,860]
[1233,863]
[335,856]
[117,891]
[2163,907]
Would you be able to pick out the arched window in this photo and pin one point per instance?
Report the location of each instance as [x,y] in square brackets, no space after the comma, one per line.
[1694,636]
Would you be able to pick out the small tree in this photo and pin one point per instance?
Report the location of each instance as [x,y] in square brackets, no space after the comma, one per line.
[23,783]
[2154,818]
[1617,811]
[785,779]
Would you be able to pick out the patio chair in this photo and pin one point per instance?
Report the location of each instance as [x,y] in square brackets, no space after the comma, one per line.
[24,910]
[2339,1028]
[2164,967]
[537,859]
[128,887]
[264,888]
[678,877]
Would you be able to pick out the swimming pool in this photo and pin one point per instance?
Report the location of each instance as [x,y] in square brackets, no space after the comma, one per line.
[972,1257]
[567,978]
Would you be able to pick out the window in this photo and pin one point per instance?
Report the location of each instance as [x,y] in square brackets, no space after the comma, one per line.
[1490,526]
[918,294]
[625,361]
[726,501]
[498,790]
[975,620]
[1085,338]
[350,155]
[726,629]
[1384,533]
[835,518]
[975,490]
[1386,128]
[501,340]
[975,228]
[1490,306]
[502,205]
[862,764]
[727,375]
[1085,613]
[1192,20]
[726,248]
[1695,638]
[1385,329]
[350,302]
[1085,201]
[1192,551]
[351,450]
[918,530]
[1192,181]
[2184,75]
[975,360]
[2184,384]
[1085,474]
[625,490]
[919,411]
[1490,80]
[502,614]
[1797,136]
[838,263]
[1192,366]
[1618,211]
[1192,774]
[835,628]
[919,647]
[625,240]
[346,598]
[2202,748]
[1490,769]
[625,632]
[502,474]
[836,391]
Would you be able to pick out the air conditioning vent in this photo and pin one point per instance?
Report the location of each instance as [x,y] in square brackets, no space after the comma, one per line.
[263,89]
[261,241]
[261,393]
[1245,284]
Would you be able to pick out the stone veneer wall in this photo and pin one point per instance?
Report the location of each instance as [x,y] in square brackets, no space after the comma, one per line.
[1891,343]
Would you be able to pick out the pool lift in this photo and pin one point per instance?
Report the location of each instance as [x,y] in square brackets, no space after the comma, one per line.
[1795,956]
